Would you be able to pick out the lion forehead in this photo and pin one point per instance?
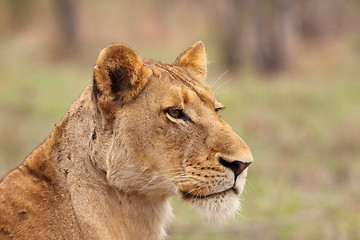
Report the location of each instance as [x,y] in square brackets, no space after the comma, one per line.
[183,88]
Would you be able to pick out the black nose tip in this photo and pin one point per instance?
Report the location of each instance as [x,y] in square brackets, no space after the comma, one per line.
[236,166]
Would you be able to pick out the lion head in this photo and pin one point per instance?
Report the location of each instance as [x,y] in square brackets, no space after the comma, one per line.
[161,134]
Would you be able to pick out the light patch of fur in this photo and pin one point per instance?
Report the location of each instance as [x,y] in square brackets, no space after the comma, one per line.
[218,209]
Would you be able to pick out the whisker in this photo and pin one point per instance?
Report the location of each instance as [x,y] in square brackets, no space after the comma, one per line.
[222,84]
[137,177]
[212,85]
[146,185]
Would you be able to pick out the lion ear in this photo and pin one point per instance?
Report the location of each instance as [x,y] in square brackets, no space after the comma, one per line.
[194,61]
[119,75]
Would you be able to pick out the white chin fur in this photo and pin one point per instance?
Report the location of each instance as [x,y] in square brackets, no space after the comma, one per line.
[218,208]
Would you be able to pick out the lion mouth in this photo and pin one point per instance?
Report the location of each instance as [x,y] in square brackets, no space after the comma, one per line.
[188,195]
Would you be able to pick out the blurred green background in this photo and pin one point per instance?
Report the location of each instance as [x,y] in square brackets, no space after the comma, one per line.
[288,72]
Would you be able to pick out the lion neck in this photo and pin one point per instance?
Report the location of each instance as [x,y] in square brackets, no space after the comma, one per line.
[103,211]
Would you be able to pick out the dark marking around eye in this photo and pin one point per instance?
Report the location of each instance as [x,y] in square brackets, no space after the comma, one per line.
[219,109]
[177,114]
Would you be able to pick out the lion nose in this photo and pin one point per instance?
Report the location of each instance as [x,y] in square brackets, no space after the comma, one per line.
[236,166]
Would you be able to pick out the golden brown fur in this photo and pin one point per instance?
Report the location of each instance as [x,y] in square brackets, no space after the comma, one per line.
[141,132]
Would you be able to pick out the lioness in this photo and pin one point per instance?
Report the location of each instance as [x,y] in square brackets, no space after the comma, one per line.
[142,131]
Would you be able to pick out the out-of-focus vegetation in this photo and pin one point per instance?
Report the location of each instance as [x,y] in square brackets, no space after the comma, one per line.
[294,95]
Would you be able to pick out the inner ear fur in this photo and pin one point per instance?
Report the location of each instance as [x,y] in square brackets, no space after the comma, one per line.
[119,75]
[194,61]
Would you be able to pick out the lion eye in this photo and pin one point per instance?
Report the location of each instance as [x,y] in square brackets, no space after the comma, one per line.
[176,113]
[219,109]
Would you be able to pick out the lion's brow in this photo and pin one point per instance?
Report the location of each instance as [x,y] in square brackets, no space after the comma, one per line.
[186,80]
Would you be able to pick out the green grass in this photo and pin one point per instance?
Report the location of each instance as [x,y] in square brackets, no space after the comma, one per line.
[302,126]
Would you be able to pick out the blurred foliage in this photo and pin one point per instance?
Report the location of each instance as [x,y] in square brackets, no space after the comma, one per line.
[300,120]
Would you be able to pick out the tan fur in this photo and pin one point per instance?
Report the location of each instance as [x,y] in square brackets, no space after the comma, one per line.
[109,167]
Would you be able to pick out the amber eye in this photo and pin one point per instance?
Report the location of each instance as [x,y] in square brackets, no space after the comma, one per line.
[176,113]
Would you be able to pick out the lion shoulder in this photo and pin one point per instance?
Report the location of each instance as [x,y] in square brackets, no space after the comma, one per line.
[31,206]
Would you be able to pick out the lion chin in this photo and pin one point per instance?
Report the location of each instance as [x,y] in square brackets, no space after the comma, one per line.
[217,208]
